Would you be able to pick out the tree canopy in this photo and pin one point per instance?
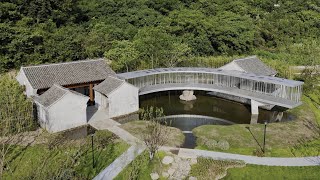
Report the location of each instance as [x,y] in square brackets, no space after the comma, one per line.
[137,34]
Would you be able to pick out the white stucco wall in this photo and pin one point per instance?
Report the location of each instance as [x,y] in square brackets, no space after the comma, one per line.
[101,101]
[68,112]
[42,115]
[232,66]
[123,100]
[23,81]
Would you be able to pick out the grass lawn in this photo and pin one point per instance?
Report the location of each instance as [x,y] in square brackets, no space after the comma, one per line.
[142,167]
[274,172]
[213,169]
[280,138]
[70,159]
[137,128]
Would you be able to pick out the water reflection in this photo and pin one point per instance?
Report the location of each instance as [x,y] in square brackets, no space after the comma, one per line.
[206,110]
[187,122]
[208,105]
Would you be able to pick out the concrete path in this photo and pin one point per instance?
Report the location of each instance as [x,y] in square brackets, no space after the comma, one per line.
[120,163]
[101,121]
[267,161]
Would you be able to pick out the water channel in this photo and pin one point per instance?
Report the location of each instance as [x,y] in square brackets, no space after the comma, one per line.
[206,109]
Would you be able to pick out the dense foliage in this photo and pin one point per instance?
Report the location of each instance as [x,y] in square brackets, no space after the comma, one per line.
[145,33]
[16,112]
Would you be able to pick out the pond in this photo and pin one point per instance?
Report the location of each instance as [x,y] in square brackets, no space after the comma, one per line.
[206,109]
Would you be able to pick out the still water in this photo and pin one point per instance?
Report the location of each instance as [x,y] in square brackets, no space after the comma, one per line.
[206,109]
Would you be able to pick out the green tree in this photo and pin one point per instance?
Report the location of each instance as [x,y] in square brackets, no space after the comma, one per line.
[123,55]
[16,116]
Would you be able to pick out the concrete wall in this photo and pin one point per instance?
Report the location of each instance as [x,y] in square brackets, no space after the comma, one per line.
[232,66]
[68,112]
[123,100]
[23,81]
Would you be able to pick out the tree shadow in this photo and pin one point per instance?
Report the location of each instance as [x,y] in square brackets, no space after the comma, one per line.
[254,138]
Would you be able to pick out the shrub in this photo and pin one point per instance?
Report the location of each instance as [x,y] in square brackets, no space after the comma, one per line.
[223,144]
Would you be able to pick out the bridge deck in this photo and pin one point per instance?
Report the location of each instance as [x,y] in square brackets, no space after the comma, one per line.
[264,98]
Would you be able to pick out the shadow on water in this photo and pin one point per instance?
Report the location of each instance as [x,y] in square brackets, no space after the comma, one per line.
[207,109]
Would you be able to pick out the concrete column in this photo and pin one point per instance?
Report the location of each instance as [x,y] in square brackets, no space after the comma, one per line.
[254,118]
[255,106]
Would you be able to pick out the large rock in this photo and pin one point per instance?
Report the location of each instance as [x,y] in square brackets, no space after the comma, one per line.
[154,176]
[187,95]
[192,178]
[167,160]
[171,171]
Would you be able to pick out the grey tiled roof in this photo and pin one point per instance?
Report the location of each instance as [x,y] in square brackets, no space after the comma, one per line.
[254,65]
[53,94]
[44,76]
[108,85]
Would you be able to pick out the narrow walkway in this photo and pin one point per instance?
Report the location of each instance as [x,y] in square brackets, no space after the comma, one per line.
[120,163]
[101,121]
[267,161]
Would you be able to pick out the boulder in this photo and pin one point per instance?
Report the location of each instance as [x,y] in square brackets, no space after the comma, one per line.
[167,160]
[187,95]
[154,176]
[223,144]
[171,171]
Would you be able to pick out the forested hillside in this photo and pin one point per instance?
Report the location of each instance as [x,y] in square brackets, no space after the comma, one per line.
[137,34]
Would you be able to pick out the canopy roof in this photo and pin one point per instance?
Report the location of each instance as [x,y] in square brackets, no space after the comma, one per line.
[244,75]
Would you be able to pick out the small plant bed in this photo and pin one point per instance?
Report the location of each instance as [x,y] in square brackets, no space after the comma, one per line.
[62,158]
[283,139]
[213,169]
[164,165]
[274,172]
[142,167]
[138,129]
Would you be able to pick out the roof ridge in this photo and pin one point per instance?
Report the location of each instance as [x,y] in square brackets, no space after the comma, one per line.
[71,62]
[116,78]
[249,57]
[68,90]
[60,87]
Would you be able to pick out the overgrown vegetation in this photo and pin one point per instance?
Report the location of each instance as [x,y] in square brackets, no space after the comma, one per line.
[16,117]
[213,169]
[155,134]
[142,166]
[175,137]
[62,158]
[138,34]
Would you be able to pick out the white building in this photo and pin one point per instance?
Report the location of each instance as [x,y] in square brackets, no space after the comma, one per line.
[250,65]
[60,109]
[117,97]
[62,92]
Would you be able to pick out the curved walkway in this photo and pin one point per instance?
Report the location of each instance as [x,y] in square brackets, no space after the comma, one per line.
[266,161]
